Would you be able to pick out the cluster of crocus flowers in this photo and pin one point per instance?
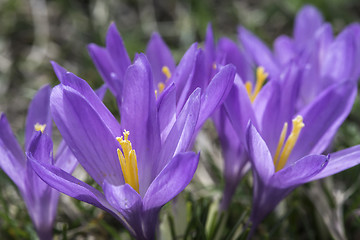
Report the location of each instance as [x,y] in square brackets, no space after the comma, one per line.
[144,160]
[300,76]
[276,112]
[282,160]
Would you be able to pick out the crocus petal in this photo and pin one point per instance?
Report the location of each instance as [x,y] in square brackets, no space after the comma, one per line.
[73,187]
[290,84]
[231,54]
[182,133]
[171,180]
[39,112]
[139,117]
[324,38]
[339,60]
[310,61]
[284,49]
[101,91]
[354,28]
[266,103]
[12,159]
[198,79]
[268,195]
[259,153]
[322,119]
[126,201]
[111,61]
[190,81]
[41,200]
[258,51]
[216,93]
[167,111]
[301,171]
[159,55]
[340,161]
[87,134]
[239,108]
[307,21]
[265,199]
[117,51]
[59,70]
[104,65]
[81,86]
[41,148]
[9,140]
[41,205]
[184,70]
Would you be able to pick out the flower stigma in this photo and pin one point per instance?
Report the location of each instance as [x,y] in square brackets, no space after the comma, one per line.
[39,127]
[128,162]
[280,159]
[261,76]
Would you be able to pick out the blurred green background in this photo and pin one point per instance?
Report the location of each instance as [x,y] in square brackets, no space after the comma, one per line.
[33,32]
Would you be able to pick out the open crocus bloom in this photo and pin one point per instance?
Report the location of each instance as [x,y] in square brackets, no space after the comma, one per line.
[273,182]
[283,159]
[271,111]
[138,170]
[40,199]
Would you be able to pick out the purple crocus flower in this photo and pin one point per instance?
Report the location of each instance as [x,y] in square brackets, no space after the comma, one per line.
[40,199]
[304,67]
[113,60]
[324,60]
[247,100]
[281,159]
[138,169]
[271,185]
[173,84]
[269,108]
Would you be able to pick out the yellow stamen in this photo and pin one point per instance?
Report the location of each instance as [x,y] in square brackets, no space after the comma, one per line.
[281,143]
[39,127]
[161,87]
[128,161]
[261,76]
[297,125]
[166,71]
[248,86]
[214,66]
